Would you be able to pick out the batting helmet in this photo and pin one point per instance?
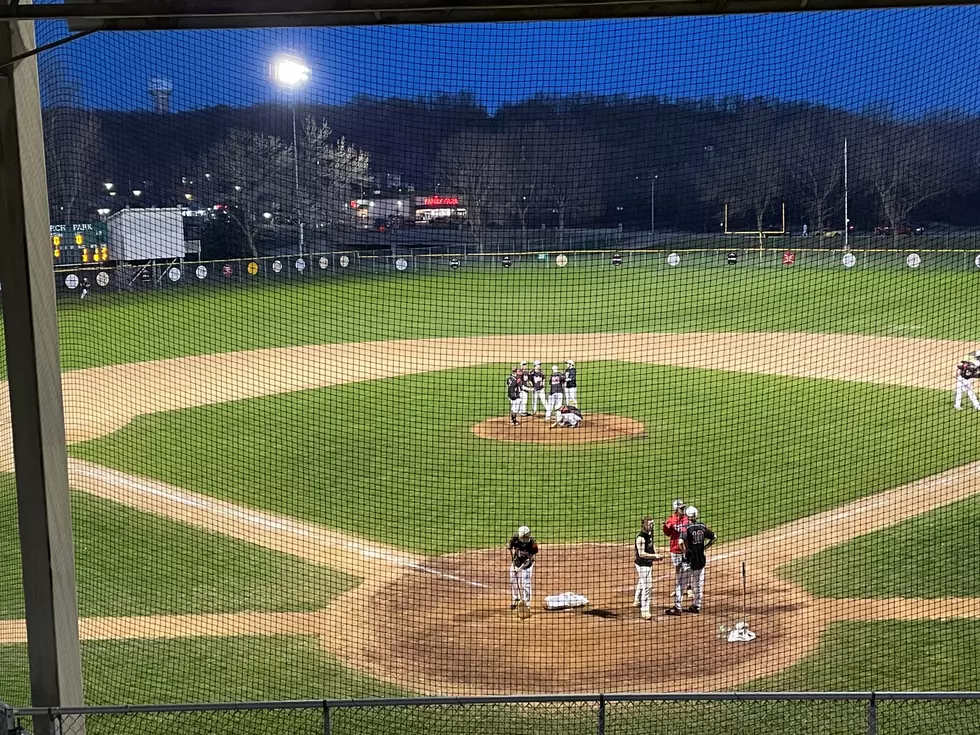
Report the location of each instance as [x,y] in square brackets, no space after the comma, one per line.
[523,531]
[554,368]
[570,363]
[692,512]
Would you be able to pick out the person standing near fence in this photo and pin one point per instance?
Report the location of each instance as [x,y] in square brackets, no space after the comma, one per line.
[967,369]
[644,556]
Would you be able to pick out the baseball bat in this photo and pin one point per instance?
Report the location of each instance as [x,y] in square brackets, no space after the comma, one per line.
[743,592]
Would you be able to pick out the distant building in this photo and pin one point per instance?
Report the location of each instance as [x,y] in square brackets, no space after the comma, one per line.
[420,209]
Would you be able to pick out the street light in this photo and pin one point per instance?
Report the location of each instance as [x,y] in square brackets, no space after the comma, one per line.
[103,212]
[267,215]
[290,73]
[109,186]
[137,193]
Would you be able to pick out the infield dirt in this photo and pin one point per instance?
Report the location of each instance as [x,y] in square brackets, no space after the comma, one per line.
[442,625]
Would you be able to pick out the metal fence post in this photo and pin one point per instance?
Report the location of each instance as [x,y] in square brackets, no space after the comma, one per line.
[326,719]
[7,722]
[873,715]
[601,729]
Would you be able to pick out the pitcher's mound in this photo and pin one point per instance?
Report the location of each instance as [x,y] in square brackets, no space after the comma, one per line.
[594,428]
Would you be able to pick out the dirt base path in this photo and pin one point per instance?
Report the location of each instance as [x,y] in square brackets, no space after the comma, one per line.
[457,631]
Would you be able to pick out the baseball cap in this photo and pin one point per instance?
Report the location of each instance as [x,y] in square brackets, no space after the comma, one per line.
[678,504]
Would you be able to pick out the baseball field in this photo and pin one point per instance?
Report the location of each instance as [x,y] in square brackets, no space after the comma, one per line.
[284,491]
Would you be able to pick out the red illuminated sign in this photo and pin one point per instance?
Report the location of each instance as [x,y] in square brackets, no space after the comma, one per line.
[789,258]
[438,201]
[353,204]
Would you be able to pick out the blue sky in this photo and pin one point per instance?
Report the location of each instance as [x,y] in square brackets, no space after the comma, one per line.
[917,60]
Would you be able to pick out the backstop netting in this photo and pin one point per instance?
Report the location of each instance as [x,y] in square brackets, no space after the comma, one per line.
[343,311]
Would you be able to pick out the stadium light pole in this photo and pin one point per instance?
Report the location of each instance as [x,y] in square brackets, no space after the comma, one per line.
[291,73]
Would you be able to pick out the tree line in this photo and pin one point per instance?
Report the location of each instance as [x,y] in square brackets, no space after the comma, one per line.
[549,161]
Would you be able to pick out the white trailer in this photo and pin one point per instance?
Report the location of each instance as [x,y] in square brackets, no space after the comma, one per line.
[147,234]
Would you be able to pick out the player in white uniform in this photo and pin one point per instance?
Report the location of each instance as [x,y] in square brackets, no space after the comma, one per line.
[644,557]
[567,416]
[525,388]
[537,388]
[556,392]
[523,550]
[966,370]
[571,386]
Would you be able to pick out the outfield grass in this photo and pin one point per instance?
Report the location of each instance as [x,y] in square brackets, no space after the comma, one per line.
[132,563]
[403,467]
[930,556]
[123,328]
[202,670]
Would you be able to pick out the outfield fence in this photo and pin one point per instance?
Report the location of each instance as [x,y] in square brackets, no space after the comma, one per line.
[176,274]
[796,713]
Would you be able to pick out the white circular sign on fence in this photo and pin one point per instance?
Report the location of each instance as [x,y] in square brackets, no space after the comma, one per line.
[561,261]
[673,259]
[102,278]
[201,272]
[849,260]
[277,266]
[401,264]
[71,280]
[300,265]
[344,261]
[324,263]
[976,261]
[174,274]
[913,261]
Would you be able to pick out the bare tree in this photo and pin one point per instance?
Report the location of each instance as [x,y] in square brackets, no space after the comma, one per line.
[747,169]
[473,163]
[252,170]
[815,153]
[525,154]
[328,171]
[904,166]
[571,174]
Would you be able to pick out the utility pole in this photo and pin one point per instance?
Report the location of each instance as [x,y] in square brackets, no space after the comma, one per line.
[847,221]
[653,205]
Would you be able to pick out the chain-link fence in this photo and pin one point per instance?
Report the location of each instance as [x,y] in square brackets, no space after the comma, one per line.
[790,713]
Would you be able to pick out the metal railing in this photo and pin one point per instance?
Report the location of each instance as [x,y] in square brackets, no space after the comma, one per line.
[757,713]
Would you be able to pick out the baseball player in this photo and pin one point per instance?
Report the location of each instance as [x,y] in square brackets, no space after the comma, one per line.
[967,369]
[86,285]
[645,556]
[671,529]
[515,389]
[571,389]
[556,392]
[537,388]
[525,387]
[523,548]
[568,417]
[696,538]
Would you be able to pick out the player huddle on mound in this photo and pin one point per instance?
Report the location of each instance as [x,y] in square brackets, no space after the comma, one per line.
[557,394]
[689,538]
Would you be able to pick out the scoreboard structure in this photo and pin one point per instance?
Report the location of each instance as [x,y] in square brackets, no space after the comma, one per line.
[80,243]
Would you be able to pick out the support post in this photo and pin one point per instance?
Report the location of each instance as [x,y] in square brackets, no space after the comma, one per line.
[327,725]
[34,383]
[601,725]
[873,715]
